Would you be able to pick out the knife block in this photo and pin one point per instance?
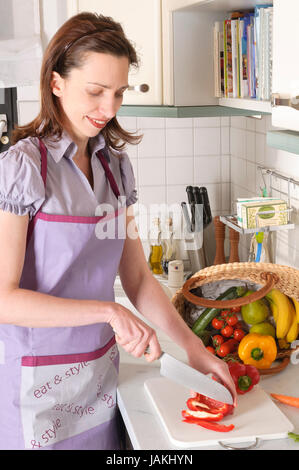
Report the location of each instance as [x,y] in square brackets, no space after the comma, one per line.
[219,238]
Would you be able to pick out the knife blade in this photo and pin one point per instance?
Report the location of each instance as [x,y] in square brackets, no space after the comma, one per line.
[191,378]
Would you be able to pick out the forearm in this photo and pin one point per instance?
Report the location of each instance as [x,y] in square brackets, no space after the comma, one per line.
[31,309]
[151,301]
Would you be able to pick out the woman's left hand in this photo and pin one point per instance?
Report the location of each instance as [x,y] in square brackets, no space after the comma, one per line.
[204,361]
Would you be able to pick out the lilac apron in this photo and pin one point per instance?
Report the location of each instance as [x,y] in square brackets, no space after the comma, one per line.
[58,385]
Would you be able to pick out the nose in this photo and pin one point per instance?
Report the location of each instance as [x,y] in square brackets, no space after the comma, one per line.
[109,106]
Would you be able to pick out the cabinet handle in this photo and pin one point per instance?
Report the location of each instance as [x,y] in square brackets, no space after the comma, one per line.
[292,102]
[144,88]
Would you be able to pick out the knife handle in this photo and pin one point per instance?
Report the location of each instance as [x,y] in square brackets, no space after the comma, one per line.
[191,201]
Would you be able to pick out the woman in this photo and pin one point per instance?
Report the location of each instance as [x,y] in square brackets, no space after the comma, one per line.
[59,322]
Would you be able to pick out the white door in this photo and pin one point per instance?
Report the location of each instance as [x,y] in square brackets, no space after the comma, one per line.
[141,20]
[285,63]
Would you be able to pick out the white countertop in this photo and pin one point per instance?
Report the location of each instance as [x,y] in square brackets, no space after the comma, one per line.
[142,423]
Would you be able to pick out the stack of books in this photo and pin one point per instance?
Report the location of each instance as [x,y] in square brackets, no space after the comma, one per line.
[243,54]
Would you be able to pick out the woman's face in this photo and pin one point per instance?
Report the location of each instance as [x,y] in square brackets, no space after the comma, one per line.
[91,95]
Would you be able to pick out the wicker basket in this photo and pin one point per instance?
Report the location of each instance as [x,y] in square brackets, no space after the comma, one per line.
[266,275]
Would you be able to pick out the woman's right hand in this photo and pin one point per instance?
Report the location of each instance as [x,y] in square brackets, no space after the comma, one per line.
[133,334]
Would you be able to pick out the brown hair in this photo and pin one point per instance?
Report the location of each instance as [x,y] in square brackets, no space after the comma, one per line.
[83,33]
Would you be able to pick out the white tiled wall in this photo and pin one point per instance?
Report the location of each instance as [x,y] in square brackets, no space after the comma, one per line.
[222,154]
[248,151]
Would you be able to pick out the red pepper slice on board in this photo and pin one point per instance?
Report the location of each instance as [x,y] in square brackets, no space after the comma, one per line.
[200,415]
[215,405]
[212,425]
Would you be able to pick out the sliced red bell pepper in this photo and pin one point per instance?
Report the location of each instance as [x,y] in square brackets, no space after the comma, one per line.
[244,376]
[199,415]
[216,426]
[212,425]
[214,405]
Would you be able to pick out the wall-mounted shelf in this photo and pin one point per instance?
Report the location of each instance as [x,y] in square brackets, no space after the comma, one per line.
[284,140]
[186,111]
[229,220]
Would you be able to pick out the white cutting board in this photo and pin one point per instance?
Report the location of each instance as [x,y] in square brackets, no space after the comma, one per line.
[256,416]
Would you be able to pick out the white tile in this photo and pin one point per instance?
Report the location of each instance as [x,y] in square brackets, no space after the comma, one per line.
[225,140]
[132,150]
[251,172]
[237,142]
[179,142]
[238,122]
[127,122]
[152,144]
[260,125]
[179,170]
[260,148]
[151,171]
[250,124]
[207,169]
[207,122]
[225,168]
[27,111]
[238,172]
[250,146]
[225,198]
[176,194]
[152,195]
[175,123]
[150,123]
[207,141]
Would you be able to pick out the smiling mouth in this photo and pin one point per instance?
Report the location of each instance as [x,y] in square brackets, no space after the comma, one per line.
[97,122]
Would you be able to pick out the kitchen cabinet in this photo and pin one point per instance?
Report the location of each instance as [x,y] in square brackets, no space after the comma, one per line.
[141,20]
[285,85]
[174,39]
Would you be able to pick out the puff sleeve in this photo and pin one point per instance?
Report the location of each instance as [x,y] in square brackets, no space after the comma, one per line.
[128,179]
[22,189]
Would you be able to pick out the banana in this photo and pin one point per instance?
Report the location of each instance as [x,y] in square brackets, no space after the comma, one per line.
[296,304]
[282,309]
[294,328]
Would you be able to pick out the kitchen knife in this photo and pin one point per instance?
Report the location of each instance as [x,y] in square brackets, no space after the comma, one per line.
[206,205]
[192,379]
[191,201]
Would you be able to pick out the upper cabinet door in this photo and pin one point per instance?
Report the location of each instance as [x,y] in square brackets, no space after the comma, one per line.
[141,20]
[285,84]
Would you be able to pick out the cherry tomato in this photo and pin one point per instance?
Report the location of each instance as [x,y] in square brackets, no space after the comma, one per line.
[227,347]
[217,323]
[211,349]
[217,340]
[236,309]
[232,320]
[227,331]
[224,313]
[239,334]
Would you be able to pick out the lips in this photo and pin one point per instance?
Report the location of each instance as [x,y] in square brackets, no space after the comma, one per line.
[98,123]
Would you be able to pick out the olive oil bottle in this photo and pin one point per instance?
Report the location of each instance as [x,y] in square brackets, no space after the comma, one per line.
[156,249]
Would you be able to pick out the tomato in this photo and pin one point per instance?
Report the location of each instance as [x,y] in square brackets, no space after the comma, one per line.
[227,347]
[224,313]
[235,309]
[217,323]
[211,349]
[227,331]
[217,340]
[232,320]
[239,334]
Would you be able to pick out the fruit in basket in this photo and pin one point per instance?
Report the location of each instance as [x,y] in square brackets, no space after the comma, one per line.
[296,305]
[283,311]
[258,350]
[255,312]
[263,328]
[294,328]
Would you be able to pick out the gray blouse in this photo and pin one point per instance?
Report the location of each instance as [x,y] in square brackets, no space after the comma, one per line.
[68,191]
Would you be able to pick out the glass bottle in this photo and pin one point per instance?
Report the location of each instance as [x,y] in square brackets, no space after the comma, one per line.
[168,244]
[156,250]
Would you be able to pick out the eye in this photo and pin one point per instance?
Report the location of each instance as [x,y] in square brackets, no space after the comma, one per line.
[94,93]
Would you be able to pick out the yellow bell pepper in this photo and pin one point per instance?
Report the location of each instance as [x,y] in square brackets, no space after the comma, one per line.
[257,350]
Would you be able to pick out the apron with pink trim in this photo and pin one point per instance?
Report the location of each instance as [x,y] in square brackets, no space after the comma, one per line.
[58,385]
